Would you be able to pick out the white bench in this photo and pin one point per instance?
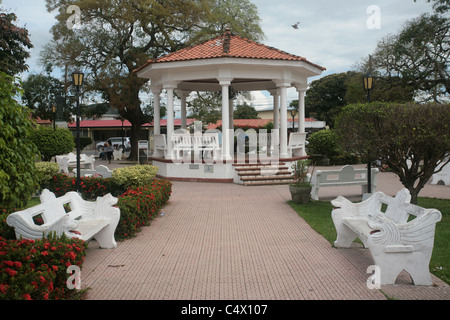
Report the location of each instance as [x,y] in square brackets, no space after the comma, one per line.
[117,154]
[159,145]
[296,145]
[69,215]
[384,226]
[443,175]
[101,171]
[70,160]
[346,176]
[206,144]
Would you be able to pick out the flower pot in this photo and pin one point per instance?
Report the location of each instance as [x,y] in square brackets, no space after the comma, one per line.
[300,195]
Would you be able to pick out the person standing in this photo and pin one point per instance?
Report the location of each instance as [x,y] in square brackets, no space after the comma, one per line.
[108,148]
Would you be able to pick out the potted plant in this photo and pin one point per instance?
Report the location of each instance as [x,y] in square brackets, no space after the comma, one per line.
[301,188]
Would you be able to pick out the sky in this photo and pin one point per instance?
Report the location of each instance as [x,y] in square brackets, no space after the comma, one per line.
[332,34]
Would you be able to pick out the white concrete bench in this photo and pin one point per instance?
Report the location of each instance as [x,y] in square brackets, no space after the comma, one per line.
[384,225]
[297,143]
[346,176]
[443,175]
[101,171]
[159,145]
[69,215]
[117,154]
[70,160]
[205,145]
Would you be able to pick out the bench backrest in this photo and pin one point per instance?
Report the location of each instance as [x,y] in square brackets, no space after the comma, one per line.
[346,174]
[398,209]
[210,139]
[159,141]
[52,209]
[297,139]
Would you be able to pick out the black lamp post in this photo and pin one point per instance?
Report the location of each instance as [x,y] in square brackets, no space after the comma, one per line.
[368,84]
[78,78]
[293,114]
[54,116]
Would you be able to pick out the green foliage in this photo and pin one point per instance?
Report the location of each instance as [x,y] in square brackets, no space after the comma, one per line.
[84,142]
[134,176]
[138,206]
[324,142]
[13,45]
[18,178]
[37,270]
[300,172]
[245,111]
[46,171]
[52,142]
[411,139]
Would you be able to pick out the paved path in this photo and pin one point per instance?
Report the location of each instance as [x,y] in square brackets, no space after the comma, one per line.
[226,241]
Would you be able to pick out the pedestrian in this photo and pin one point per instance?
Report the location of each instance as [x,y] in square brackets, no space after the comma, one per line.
[108,148]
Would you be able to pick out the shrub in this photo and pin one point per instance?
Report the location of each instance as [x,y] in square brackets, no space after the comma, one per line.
[18,179]
[134,176]
[37,269]
[141,205]
[324,142]
[46,171]
[90,187]
[52,142]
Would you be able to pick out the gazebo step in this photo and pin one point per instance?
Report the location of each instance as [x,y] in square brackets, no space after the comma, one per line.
[265,173]
[268,178]
[268,182]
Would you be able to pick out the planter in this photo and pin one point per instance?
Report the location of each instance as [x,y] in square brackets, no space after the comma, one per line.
[300,195]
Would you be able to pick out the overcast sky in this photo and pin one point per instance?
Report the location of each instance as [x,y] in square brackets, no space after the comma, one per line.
[333,34]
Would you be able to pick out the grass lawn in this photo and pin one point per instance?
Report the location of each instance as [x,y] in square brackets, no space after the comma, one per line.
[318,215]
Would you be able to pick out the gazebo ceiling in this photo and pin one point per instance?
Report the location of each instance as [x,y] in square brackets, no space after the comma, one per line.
[247,64]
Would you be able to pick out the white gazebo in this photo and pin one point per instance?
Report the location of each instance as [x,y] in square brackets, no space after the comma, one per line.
[225,64]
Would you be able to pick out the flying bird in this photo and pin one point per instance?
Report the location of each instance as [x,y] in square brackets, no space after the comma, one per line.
[295,26]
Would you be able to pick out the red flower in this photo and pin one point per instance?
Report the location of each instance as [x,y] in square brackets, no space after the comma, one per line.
[26,296]
[17,264]
[44,253]
[8,263]
[11,272]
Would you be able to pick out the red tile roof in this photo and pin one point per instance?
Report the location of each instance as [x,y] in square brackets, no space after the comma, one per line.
[118,123]
[228,45]
[253,123]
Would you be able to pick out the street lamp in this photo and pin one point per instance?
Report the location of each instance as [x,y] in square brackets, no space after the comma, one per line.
[368,84]
[293,114]
[54,116]
[78,78]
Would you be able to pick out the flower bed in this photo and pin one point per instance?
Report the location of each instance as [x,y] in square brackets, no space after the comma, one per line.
[140,205]
[37,270]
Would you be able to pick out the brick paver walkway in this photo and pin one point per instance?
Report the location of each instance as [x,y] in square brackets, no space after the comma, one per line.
[226,241]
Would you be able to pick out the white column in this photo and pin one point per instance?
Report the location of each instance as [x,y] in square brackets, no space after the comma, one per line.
[183,95]
[225,119]
[231,140]
[283,120]
[170,118]
[156,110]
[276,109]
[301,110]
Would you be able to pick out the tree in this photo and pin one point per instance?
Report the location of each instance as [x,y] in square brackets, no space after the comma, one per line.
[14,42]
[245,111]
[52,142]
[41,92]
[327,96]
[18,174]
[440,6]
[122,35]
[411,139]
[206,107]
[419,56]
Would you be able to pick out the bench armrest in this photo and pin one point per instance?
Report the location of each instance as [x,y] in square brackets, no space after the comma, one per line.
[417,232]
